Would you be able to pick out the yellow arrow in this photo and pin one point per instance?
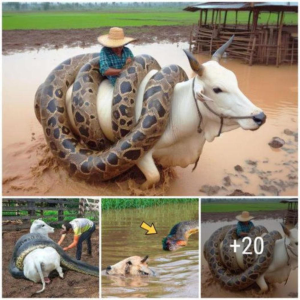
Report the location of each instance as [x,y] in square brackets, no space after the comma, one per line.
[150,229]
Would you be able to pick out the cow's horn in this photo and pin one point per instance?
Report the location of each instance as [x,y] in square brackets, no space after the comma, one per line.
[218,54]
[285,229]
[144,259]
[196,67]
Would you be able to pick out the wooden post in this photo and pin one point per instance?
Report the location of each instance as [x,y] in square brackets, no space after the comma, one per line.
[81,208]
[278,55]
[225,19]
[200,20]
[249,19]
[60,215]
[31,206]
[252,51]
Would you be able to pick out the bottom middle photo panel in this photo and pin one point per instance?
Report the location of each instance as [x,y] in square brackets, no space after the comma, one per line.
[150,246]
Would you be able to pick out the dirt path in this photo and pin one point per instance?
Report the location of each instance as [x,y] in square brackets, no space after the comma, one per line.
[20,40]
[74,285]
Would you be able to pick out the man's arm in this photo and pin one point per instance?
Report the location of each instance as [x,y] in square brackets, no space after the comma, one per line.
[112,72]
[74,244]
[61,239]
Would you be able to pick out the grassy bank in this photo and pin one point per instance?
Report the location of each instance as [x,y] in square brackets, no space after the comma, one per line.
[128,18]
[237,207]
[123,203]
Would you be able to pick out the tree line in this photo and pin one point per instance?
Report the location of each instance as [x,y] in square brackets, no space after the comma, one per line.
[86,6]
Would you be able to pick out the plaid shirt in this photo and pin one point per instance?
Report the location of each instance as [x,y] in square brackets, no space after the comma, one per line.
[242,227]
[108,59]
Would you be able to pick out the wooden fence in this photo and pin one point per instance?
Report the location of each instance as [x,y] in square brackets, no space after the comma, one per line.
[18,213]
[266,45]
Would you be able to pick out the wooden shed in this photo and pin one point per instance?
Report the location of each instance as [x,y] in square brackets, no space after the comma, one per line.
[291,214]
[255,41]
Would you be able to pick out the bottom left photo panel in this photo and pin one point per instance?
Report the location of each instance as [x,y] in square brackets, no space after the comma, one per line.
[50,248]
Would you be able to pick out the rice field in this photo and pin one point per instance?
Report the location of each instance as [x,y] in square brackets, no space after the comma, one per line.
[48,20]
[123,203]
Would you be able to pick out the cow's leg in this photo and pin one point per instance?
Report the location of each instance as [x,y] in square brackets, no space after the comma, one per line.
[262,284]
[60,271]
[149,169]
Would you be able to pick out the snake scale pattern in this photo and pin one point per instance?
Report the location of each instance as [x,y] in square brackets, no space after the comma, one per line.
[32,241]
[85,152]
[226,270]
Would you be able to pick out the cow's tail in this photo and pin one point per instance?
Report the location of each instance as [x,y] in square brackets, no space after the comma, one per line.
[39,269]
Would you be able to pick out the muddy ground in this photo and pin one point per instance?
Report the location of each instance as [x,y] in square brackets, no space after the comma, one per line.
[73,285]
[20,40]
[230,216]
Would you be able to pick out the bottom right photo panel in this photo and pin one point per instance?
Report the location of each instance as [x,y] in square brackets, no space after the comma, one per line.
[249,247]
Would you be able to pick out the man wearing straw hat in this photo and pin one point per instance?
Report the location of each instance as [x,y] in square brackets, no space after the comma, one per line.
[244,225]
[114,54]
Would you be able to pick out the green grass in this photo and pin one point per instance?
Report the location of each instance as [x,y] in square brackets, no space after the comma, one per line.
[72,20]
[141,17]
[140,202]
[237,207]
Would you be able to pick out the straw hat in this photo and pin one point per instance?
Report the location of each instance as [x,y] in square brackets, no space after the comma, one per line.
[115,38]
[244,217]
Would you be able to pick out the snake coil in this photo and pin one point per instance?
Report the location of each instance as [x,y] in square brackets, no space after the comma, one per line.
[32,241]
[223,265]
[85,152]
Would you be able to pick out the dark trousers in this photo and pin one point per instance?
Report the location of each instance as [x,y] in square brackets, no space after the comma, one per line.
[85,236]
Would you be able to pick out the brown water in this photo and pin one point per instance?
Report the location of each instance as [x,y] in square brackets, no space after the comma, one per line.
[210,287]
[177,273]
[29,168]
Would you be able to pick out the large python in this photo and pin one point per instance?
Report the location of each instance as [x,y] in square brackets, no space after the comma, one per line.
[92,159]
[32,241]
[223,265]
[179,235]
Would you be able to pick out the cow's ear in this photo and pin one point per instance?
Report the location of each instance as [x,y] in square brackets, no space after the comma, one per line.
[285,229]
[203,98]
[144,259]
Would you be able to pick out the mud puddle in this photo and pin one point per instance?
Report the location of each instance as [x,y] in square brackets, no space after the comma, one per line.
[210,288]
[30,169]
[177,273]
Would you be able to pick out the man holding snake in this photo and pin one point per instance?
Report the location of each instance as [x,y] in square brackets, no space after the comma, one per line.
[114,55]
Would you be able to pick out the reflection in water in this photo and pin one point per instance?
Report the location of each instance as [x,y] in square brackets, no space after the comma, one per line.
[29,170]
[211,288]
[122,237]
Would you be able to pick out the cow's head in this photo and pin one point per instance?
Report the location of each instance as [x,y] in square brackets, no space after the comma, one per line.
[134,265]
[218,87]
[291,242]
[39,226]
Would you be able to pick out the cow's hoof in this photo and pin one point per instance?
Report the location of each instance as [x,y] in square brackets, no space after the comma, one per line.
[47,280]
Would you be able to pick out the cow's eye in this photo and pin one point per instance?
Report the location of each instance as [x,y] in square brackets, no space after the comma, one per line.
[217,90]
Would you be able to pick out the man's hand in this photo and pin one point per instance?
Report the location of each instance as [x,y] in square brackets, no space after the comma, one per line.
[128,60]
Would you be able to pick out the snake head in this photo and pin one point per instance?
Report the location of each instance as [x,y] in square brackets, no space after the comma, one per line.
[170,244]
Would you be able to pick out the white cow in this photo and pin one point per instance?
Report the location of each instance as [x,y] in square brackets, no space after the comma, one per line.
[181,144]
[285,259]
[39,263]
